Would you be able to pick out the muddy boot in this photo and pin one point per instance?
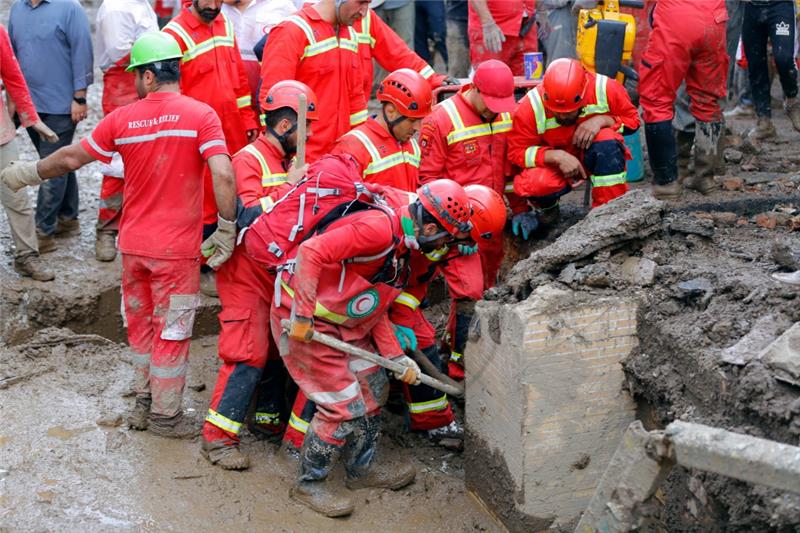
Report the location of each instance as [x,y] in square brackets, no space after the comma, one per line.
[706,142]
[46,243]
[226,455]
[31,266]
[139,417]
[105,246]
[662,151]
[793,110]
[764,130]
[208,284]
[685,142]
[67,227]
[453,430]
[317,458]
[362,471]
[176,427]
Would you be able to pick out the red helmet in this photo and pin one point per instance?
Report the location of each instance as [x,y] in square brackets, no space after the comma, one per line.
[564,85]
[284,94]
[488,212]
[448,203]
[409,92]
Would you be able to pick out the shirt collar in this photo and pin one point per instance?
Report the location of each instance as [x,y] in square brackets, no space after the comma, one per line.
[30,4]
[193,22]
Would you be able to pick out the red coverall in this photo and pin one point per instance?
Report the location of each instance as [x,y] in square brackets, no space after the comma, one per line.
[381,158]
[245,291]
[212,72]
[536,131]
[458,144]
[305,48]
[508,15]
[347,305]
[687,42]
[165,134]
[376,40]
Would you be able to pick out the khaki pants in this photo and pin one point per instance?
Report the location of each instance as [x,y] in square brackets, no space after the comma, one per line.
[18,208]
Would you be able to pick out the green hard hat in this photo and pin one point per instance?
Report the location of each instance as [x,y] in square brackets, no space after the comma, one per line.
[151,47]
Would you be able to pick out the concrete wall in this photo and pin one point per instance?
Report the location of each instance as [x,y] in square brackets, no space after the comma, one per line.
[545,397]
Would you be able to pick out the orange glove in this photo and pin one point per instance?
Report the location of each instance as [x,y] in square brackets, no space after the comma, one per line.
[411,374]
[301,329]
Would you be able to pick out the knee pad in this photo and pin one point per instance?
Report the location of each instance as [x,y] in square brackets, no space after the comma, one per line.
[605,157]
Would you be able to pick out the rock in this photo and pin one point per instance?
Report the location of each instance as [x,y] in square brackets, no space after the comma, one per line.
[725,218]
[786,253]
[639,271]
[767,220]
[783,356]
[764,331]
[594,275]
[733,184]
[633,216]
[691,225]
[109,421]
[697,290]
[759,177]
[199,387]
[742,222]
[567,275]
[733,156]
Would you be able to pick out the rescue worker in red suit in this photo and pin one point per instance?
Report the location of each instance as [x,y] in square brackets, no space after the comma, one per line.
[566,129]
[207,42]
[163,134]
[464,139]
[319,47]
[428,408]
[686,43]
[119,24]
[335,273]
[250,361]
[502,29]
[384,146]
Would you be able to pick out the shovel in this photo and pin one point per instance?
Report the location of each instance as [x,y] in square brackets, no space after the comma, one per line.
[342,346]
[302,110]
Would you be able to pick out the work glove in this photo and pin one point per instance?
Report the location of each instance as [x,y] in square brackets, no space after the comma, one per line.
[449,80]
[524,224]
[466,249]
[405,337]
[301,329]
[493,37]
[219,246]
[19,174]
[411,374]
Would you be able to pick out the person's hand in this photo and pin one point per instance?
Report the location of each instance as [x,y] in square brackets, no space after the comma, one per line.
[493,37]
[44,132]
[405,337]
[218,248]
[570,166]
[411,374]
[449,80]
[524,224]
[252,135]
[301,328]
[78,112]
[19,174]
[295,174]
[588,130]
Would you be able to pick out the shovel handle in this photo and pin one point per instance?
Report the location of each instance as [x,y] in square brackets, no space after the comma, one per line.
[302,110]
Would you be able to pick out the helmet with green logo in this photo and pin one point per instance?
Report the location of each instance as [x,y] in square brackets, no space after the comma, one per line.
[151,47]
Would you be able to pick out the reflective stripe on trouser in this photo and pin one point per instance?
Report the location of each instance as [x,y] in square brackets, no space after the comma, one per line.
[160,298]
[303,412]
[605,162]
[110,207]
[342,392]
[245,291]
[428,408]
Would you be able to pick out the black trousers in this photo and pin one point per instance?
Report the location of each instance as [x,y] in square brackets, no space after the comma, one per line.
[774,22]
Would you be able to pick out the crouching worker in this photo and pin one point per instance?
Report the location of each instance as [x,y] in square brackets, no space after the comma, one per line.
[165,140]
[566,130]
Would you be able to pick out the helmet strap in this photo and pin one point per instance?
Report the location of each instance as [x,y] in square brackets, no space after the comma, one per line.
[416,211]
[284,139]
[391,123]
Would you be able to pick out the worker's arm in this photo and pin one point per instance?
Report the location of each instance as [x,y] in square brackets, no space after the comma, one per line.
[79,38]
[117,29]
[433,148]
[284,50]
[621,107]
[526,149]
[67,159]
[358,101]
[224,185]
[493,37]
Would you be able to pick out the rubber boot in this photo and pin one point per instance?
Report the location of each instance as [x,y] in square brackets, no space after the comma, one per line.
[316,461]
[362,472]
[176,427]
[226,455]
[685,142]
[105,246]
[139,417]
[266,422]
[720,166]
[793,110]
[706,142]
[662,151]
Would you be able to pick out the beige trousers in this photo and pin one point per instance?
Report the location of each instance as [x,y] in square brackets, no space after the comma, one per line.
[18,208]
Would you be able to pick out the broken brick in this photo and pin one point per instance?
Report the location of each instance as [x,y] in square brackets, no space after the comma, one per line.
[733,184]
[767,220]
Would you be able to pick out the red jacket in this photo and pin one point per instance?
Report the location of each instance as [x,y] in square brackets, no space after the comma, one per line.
[212,72]
[535,130]
[260,170]
[377,40]
[459,145]
[305,48]
[17,90]
[380,157]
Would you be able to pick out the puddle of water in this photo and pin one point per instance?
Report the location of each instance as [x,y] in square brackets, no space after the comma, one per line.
[60,432]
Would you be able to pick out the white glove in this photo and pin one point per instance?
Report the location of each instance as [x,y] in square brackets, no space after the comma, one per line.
[19,174]
[493,37]
[218,248]
[411,374]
